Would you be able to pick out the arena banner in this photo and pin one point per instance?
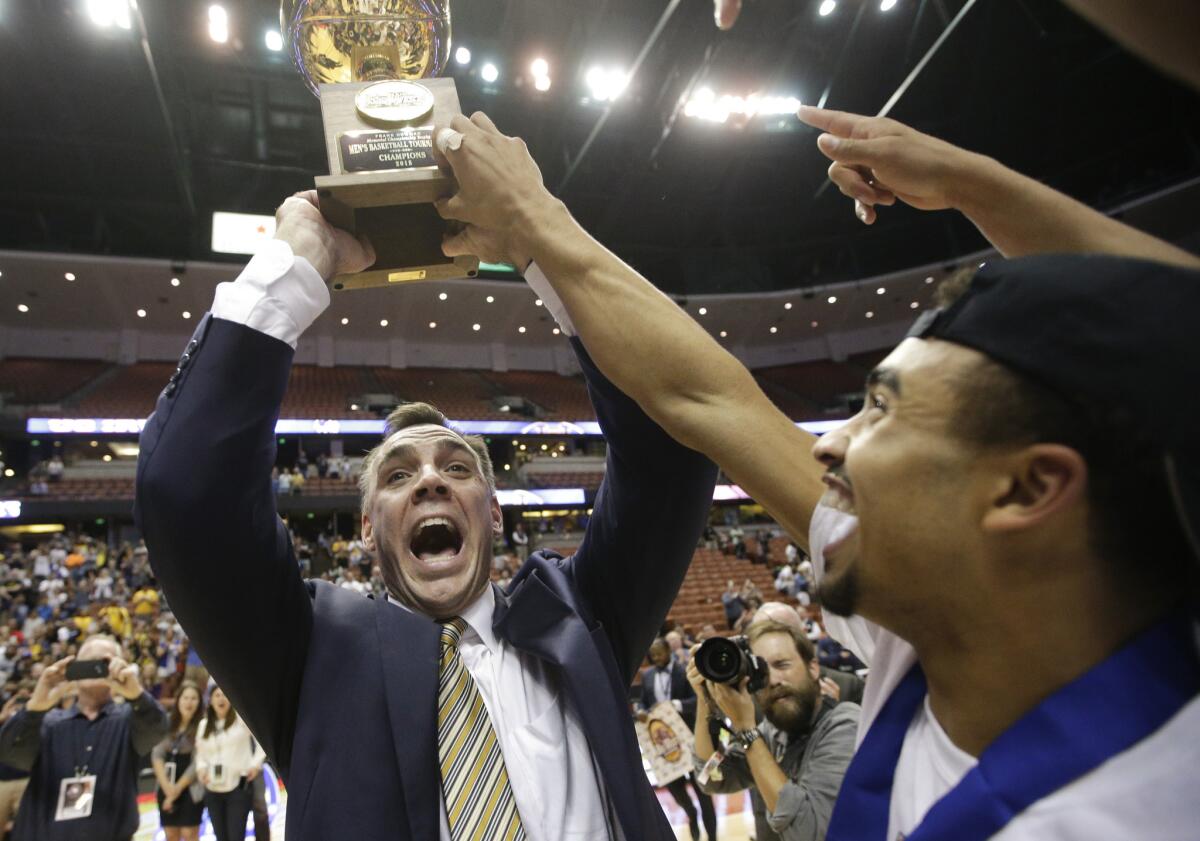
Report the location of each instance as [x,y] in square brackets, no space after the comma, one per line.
[666,743]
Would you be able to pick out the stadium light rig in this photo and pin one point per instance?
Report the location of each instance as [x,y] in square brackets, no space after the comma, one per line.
[606,84]
[706,105]
[218,23]
[109,13]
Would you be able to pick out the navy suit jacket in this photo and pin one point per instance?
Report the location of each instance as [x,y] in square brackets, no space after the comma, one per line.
[341,690]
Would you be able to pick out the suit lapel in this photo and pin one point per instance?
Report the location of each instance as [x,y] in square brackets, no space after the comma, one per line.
[536,620]
[408,651]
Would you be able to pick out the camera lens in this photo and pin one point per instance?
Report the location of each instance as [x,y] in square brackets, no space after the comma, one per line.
[719,660]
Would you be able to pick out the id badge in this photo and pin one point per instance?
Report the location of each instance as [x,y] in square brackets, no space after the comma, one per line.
[711,769]
[76,797]
[218,773]
[169,768]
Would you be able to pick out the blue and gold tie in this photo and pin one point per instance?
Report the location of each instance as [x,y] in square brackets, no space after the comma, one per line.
[479,800]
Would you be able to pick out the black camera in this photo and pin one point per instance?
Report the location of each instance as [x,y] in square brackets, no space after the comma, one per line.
[728,660]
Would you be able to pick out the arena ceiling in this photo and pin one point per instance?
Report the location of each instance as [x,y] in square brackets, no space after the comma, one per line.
[113,146]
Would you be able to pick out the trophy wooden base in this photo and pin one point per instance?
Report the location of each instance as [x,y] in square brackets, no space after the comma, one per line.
[395,211]
[391,205]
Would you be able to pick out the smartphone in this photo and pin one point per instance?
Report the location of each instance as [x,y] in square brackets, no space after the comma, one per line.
[87,669]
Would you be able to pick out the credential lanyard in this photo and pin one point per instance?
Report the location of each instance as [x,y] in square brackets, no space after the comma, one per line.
[1100,714]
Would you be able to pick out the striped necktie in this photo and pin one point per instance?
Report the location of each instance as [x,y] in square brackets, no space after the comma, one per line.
[479,801]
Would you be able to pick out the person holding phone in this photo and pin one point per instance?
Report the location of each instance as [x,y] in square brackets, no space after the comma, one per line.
[227,761]
[84,759]
[180,793]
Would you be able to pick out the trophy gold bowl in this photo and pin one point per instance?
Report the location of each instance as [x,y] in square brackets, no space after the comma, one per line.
[374,66]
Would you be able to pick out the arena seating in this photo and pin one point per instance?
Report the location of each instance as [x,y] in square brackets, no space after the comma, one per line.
[564,398]
[129,394]
[574,479]
[30,382]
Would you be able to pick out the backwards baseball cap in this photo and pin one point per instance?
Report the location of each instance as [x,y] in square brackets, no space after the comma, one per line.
[1114,330]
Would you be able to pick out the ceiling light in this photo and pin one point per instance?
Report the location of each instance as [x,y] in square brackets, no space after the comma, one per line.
[545,447]
[107,457]
[94,443]
[9,472]
[433,325]
[106,13]
[833,299]
[706,105]
[704,310]
[724,334]
[490,299]
[186,314]
[508,467]
[383,322]
[870,315]
[174,281]
[606,84]
[141,313]
[475,327]
[827,7]
[914,305]
[462,55]
[886,5]
[70,276]
[523,448]
[345,321]
[353,407]
[816,324]
[443,296]
[880,291]
[490,73]
[22,308]
[928,280]
[538,302]
[520,329]
[542,83]
[274,40]
[540,67]
[556,331]
[788,305]
[774,330]
[218,24]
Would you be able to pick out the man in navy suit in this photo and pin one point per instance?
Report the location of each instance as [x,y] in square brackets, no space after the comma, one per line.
[665,679]
[343,691]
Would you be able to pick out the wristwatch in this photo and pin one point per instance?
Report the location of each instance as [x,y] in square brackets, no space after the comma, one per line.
[746,738]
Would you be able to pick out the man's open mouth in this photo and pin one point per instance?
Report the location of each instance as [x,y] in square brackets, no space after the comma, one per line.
[435,538]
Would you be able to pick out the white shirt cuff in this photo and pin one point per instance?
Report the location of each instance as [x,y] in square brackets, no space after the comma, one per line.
[277,293]
[538,282]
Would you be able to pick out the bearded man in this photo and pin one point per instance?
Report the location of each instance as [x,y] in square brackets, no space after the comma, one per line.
[793,762]
[450,709]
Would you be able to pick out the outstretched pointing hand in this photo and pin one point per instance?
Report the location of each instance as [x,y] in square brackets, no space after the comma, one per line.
[877,160]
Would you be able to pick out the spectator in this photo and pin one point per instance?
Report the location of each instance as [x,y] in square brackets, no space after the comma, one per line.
[666,680]
[283,483]
[180,793]
[794,761]
[680,653]
[297,481]
[54,468]
[734,606]
[145,601]
[227,759]
[520,541]
[785,580]
[82,758]
[13,781]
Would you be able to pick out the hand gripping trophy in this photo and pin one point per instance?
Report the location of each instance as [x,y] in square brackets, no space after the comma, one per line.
[374,65]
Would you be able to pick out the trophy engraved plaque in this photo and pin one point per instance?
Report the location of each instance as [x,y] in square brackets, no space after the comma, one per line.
[374,64]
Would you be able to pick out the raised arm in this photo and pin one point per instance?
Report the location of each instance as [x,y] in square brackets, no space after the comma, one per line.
[206,457]
[877,161]
[645,523]
[686,382]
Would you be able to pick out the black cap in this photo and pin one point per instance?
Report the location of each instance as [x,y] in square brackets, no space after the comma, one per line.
[1119,331]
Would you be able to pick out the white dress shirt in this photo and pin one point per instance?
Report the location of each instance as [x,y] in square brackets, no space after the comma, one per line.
[557,787]
[232,748]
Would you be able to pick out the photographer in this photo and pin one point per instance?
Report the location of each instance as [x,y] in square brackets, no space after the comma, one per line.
[83,759]
[794,761]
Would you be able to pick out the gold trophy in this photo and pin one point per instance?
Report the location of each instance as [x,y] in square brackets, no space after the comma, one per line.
[364,58]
